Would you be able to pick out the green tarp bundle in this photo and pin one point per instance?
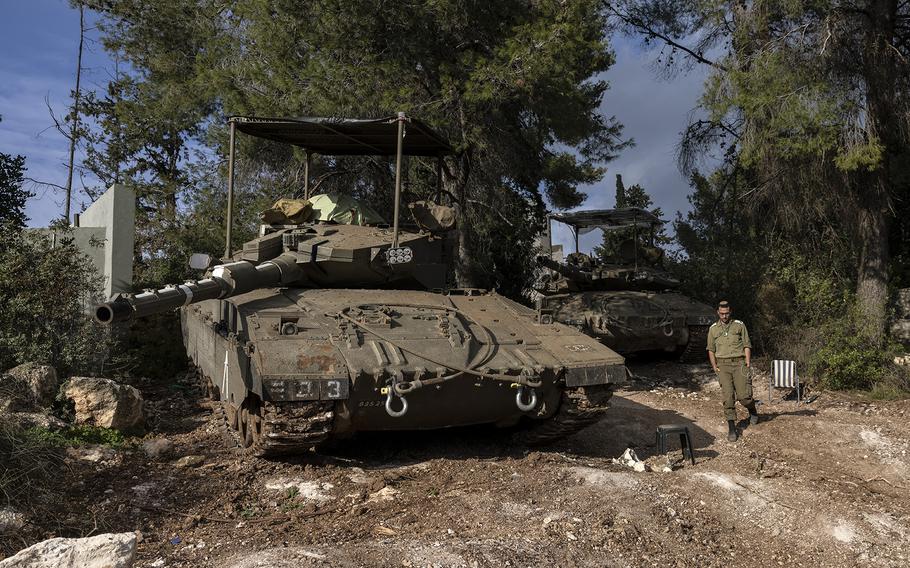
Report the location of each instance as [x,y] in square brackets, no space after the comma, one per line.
[339,208]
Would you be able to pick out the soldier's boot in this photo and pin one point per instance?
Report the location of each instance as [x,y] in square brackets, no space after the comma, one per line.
[731,431]
[753,414]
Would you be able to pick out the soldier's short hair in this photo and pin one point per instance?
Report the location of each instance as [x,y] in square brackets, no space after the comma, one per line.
[723,304]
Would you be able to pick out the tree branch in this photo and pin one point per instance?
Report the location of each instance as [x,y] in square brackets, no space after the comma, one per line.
[47,183]
[651,32]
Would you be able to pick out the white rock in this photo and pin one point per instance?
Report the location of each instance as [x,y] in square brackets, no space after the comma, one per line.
[189,461]
[630,459]
[387,493]
[104,403]
[157,448]
[308,490]
[11,521]
[102,551]
[92,453]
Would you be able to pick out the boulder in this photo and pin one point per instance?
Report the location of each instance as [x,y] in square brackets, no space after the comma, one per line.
[33,385]
[102,551]
[105,403]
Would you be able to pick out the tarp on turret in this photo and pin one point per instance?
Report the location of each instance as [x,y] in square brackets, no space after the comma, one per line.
[347,136]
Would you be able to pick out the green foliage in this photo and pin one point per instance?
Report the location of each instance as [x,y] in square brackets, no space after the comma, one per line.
[846,359]
[848,362]
[44,291]
[75,436]
[12,195]
[721,253]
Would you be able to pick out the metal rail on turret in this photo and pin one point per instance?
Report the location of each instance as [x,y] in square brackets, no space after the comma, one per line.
[224,281]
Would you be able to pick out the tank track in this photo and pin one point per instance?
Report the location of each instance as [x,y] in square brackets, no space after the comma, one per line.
[578,409]
[694,351]
[285,428]
[290,428]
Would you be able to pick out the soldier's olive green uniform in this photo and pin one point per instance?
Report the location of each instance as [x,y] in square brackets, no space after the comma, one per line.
[729,343]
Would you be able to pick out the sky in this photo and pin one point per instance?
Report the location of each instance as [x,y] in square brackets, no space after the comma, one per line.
[38,47]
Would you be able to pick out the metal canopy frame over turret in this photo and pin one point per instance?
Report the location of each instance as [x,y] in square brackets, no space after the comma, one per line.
[583,222]
[341,137]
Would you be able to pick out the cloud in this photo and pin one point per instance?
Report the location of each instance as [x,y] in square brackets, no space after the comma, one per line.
[654,112]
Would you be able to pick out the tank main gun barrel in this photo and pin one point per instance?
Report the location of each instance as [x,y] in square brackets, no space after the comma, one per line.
[224,281]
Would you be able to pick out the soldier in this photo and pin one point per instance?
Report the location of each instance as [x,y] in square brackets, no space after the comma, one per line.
[730,353]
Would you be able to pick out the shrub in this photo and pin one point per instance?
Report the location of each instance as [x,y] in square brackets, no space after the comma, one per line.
[849,362]
[848,359]
[44,290]
[76,436]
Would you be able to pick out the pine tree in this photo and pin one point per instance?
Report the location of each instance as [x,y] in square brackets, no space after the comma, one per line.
[515,87]
[620,193]
[811,100]
[12,195]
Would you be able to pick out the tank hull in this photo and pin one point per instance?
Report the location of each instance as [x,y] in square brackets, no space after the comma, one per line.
[457,359]
[631,321]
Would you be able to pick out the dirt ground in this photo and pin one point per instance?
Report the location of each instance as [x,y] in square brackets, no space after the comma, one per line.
[825,484]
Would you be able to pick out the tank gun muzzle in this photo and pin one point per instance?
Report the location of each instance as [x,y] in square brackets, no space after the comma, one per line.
[118,309]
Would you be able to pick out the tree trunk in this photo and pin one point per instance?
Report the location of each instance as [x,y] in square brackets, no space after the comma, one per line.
[456,184]
[872,275]
[874,211]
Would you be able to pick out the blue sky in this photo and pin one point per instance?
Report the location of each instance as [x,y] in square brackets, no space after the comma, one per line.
[38,43]
[38,46]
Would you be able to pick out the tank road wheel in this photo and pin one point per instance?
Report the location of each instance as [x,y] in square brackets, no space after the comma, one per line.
[694,351]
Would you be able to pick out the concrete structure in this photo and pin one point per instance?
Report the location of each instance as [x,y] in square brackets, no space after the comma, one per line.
[114,213]
[105,232]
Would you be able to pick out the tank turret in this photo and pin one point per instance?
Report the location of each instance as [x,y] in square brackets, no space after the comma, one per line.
[594,276]
[311,255]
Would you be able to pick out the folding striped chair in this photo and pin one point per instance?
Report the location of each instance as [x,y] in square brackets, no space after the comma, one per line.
[784,376]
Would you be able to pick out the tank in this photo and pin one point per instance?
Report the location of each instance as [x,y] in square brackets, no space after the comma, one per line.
[333,322]
[630,303]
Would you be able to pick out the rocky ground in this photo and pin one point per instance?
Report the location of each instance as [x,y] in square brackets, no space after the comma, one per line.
[827,483]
